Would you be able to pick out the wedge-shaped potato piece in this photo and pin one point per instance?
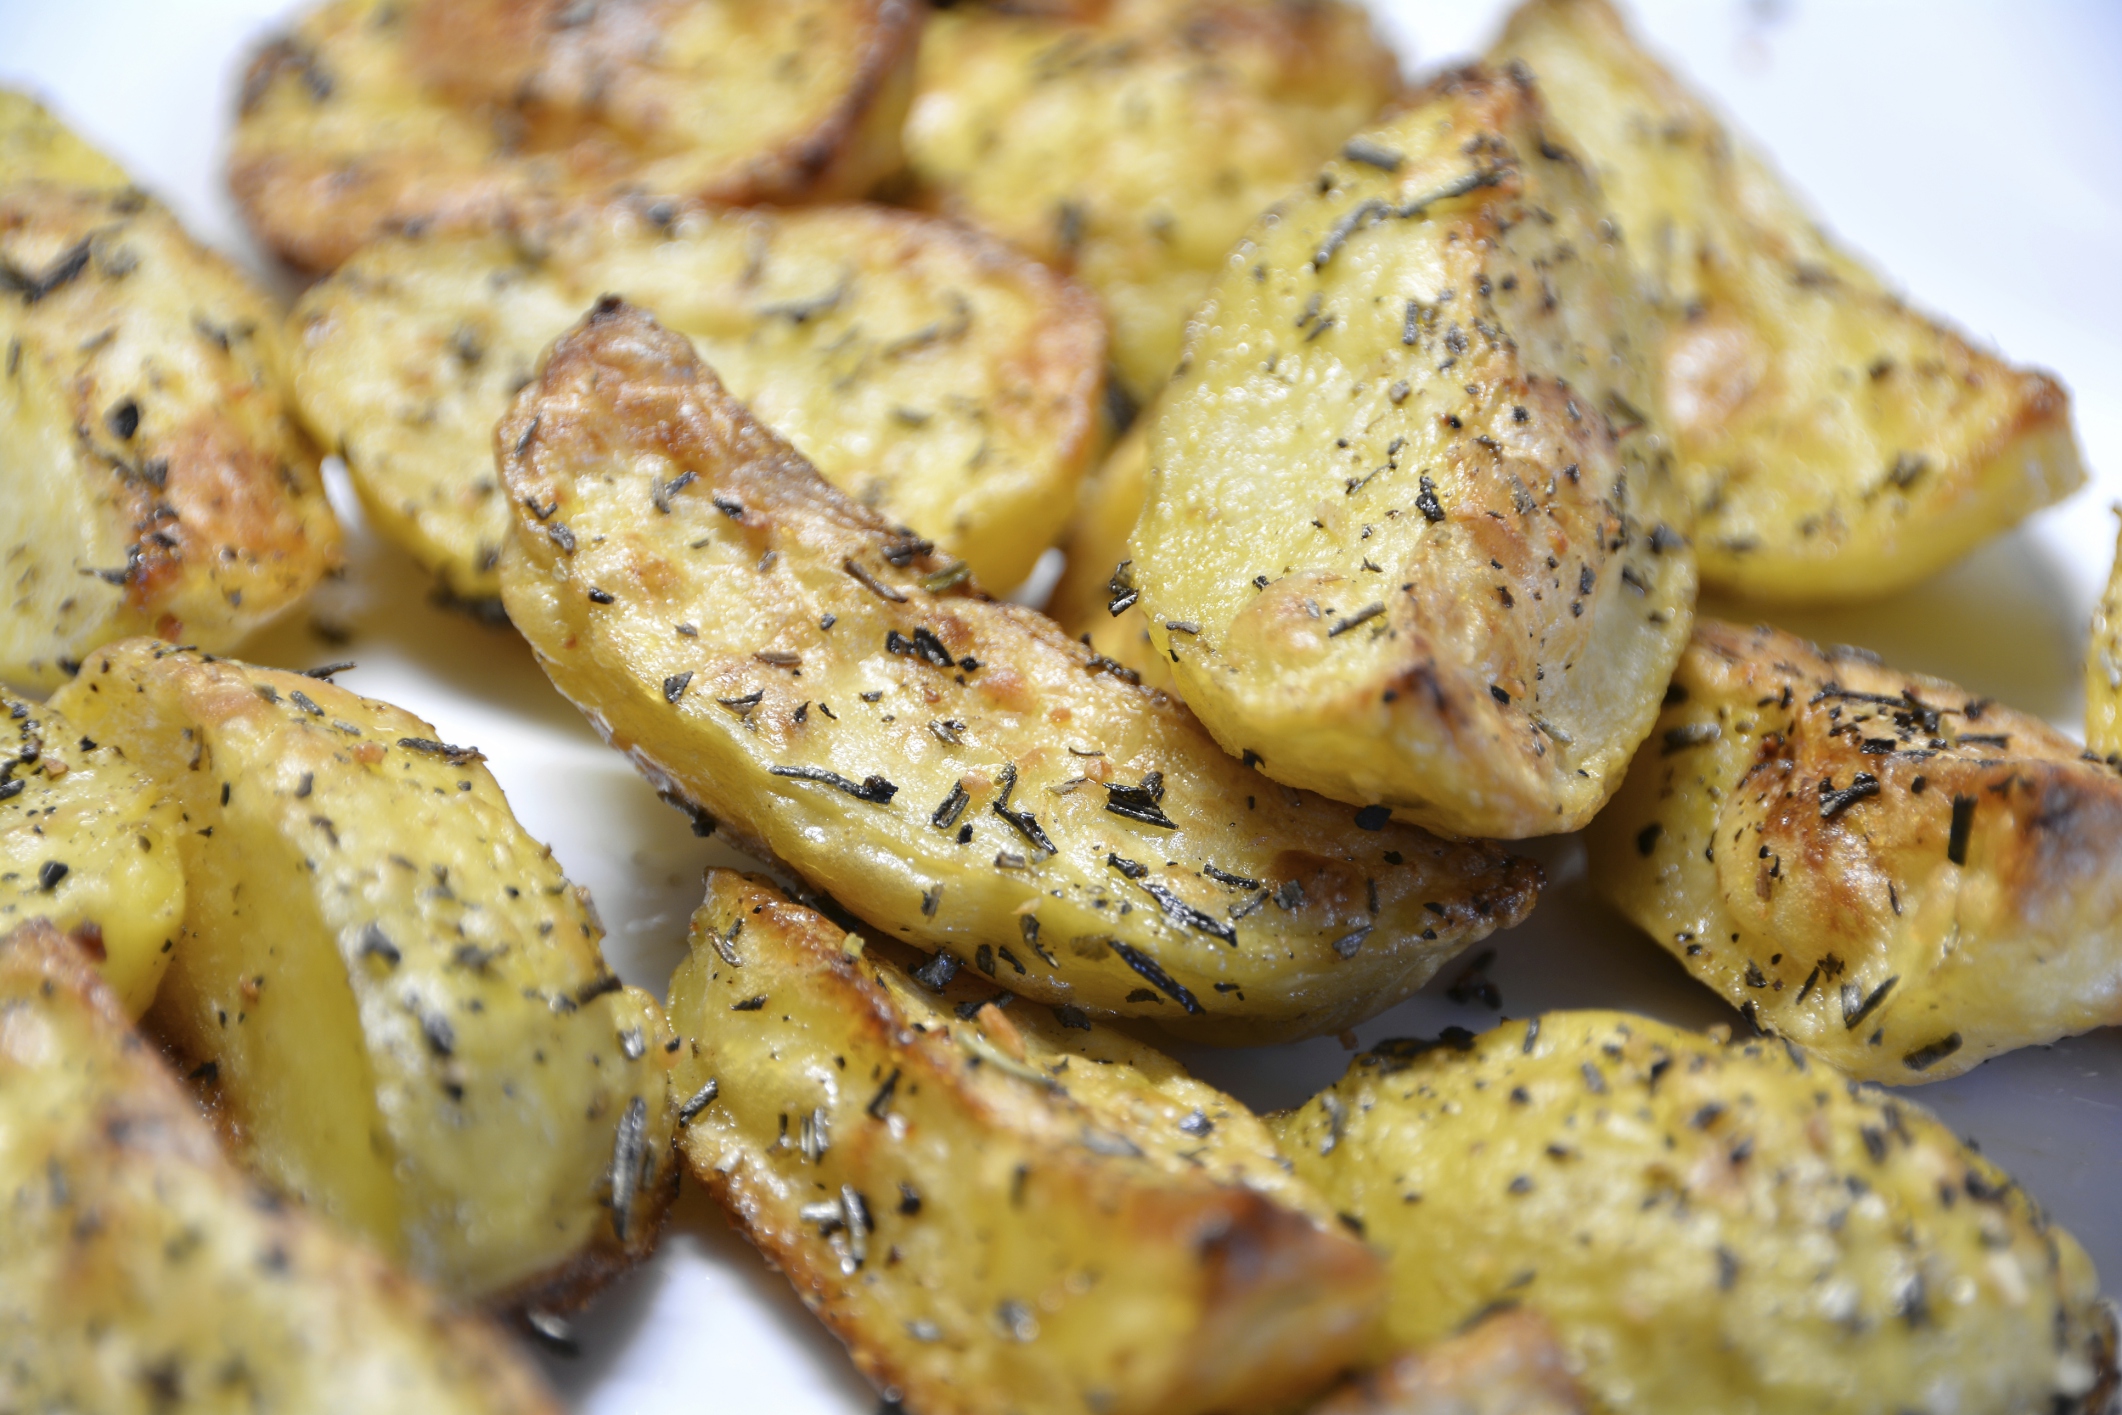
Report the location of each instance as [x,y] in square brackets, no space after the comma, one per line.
[36,147]
[375,116]
[2103,671]
[998,1210]
[954,770]
[947,382]
[1096,576]
[1836,443]
[89,843]
[1133,141]
[1711,1227]
[1902,877]
[1407,535]
[1506,1364]
[386,987]
[140,1272]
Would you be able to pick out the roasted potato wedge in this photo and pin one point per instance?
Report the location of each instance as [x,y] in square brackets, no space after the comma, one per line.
[1410,535]
[88,843]
[998,1210]
[1506,1364]
[1900,876]
[1836,443]
[387,989]
[377,116]
[956,771]
[949,383]
[1710,1227]
[35,146]
[1096,550]
[1132,142]
[2103,671]
[140,1272]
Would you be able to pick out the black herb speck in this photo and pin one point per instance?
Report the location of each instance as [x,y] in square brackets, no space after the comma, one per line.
[1963,826]
[629,1155]
[1178,911]
[1833,803]
[700,1100]
[675,685]
[455,756]
[936,973]
[1368,818]
[1923,1058]
[49,874]
[750,1004]
[1027,824]
[874,789]
[1856,1005]
[1156,976]
[1140,803]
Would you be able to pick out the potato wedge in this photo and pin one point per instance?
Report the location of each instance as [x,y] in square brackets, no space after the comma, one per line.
[1710,1227]
[1836,443]
[1410,535]
[1901,877]
[1132,142]
[949,383]
[954,770]
[2103,671]
[1506,1364]
[35,146]
[88,843]
[998,1210]
[387,989]
[140,1272]
[1096,550]
[376,116]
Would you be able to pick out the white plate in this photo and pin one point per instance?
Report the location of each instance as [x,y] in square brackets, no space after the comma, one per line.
[1974,151]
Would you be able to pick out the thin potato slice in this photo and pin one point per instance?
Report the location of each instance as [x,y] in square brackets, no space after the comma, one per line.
[140,1272]
[387,989]
[998,1209]
[1836,443]
[1712,1228]
[1083,598]
[935,376]
[377,116]
[89,843]
[1506,1364]
[2103,671]
[954,770]
[1900,876]
[1410,537]
[1132,142]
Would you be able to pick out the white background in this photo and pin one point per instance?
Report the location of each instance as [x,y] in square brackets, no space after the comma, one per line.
[1974,151]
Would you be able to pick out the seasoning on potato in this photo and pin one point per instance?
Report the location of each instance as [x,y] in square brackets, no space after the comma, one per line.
[1085,597]
[1504,1364]
[1711,1227]
[997,1205]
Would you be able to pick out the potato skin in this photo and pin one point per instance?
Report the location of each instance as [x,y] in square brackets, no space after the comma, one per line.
[953,770]
[73,811]
[1836,444]
[373,116]
[932,373]
[2103,671]
[140,1272]
[1506,1364]
[1879,929]
[395,997]
[1410,534]
[1711,1227]
[997,1210]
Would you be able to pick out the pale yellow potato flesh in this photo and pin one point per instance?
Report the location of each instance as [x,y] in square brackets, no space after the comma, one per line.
[1506,1364]
[1132,142]
[1711,1227]
[88,843]
[35,146]
[387,990]
[1836,443]
[1096,548]
[370,117]
[2103,671]
[998,1207]
[949,383]
[955,771]
[1902,877]
[1410,535]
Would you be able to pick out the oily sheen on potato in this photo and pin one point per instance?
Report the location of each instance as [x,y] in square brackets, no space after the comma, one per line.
[955,771]
[934,375]
[385,986]
[376,116]
[142,1274]
[998,1206]
[1711,1227]
[1836,444]
[1899,875]
[1410,536]
[1505,1364]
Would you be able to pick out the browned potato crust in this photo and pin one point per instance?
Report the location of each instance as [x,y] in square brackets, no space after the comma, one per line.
[954,770]
[998,1208]
[376,116]
[141,1274]
[1507,1364]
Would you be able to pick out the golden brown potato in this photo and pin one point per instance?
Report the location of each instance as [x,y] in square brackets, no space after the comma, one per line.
[937,377]
[1836,443]
[998,1210]
[377,116]
[90,844]
[36,147]
[139,1272]
[2103,671]
[955,771]
[385,987]
[1711,1228]
[1900,876]
[1096,548]
[1506,1364]
[1410,536]
[1132,142]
